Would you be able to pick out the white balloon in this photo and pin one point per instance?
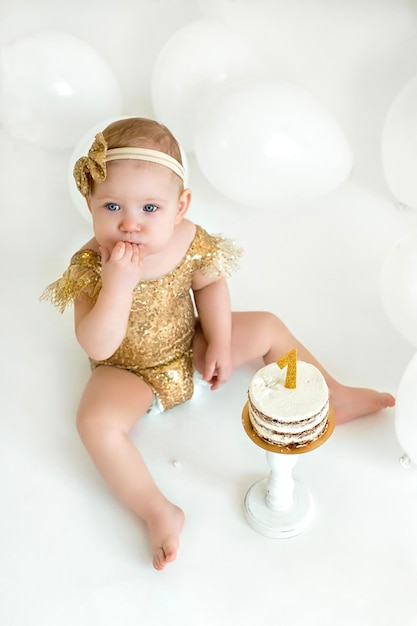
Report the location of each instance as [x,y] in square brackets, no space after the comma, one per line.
[405,419]
[399,145]
[53,87]
[270,145]
[81,149]
[194,64]
[317,45]
[399,286]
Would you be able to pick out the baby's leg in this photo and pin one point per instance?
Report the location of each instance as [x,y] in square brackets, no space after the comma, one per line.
[112,402]
[259,334]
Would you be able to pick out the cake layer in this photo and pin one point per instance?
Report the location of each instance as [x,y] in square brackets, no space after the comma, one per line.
[289,434]
[289,417]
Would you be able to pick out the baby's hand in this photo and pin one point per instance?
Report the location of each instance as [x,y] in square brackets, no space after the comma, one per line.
[121,268]
[217,367]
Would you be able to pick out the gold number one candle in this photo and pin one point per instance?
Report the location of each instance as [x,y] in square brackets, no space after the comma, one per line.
[289,360]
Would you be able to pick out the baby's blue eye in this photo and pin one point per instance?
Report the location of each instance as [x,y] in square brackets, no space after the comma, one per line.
[112,206]
[150,208]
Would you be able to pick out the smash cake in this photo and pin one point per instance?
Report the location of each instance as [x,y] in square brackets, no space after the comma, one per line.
[288,403]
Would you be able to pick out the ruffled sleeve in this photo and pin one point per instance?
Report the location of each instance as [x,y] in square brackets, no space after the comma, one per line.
[218,255]
[82,279]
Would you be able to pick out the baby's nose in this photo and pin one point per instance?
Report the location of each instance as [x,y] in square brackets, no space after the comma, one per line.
[130,224]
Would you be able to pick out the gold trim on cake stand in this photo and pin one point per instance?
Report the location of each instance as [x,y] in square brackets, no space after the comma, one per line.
[279,506]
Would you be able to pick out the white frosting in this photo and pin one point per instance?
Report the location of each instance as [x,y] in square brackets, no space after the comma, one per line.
[289,416]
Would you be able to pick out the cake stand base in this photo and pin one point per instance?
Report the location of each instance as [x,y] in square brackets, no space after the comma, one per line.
[274,523]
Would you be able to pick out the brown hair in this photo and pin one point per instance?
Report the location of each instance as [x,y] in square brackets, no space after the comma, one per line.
[139,132]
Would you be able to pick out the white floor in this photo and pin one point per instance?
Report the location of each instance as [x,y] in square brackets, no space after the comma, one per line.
[70,554]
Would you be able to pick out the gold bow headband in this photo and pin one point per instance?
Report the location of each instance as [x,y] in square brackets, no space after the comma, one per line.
[93,166]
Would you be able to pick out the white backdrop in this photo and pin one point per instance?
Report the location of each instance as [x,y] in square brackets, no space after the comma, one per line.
[70,553]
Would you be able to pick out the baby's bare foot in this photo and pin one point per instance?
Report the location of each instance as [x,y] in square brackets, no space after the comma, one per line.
[349,403]
[164,527]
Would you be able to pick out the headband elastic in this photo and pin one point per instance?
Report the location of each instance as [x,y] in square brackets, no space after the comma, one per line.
[145,154]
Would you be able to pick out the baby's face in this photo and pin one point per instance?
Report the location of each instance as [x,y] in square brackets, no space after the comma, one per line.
[139,202]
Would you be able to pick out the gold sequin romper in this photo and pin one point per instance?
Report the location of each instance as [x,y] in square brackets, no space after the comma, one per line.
[157,344]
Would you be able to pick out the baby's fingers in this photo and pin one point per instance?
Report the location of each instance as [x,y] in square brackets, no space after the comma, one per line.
[118,251]
[137,254]
[211,376]
[209,372]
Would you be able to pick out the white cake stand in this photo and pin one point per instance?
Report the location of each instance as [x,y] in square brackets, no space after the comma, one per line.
[279,506]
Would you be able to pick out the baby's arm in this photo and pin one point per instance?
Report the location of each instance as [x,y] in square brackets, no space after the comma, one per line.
[101,327]
[213,306]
